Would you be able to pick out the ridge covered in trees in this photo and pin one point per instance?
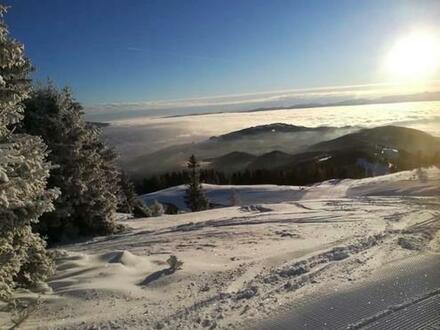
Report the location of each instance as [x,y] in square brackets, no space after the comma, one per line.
[339,166]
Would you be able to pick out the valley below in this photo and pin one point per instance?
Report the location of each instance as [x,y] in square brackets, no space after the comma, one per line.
[135,138]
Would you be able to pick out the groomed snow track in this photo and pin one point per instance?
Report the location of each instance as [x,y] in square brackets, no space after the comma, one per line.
[405,295]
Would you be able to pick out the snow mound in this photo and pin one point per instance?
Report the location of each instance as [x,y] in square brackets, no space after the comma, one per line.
[255,208]
[122,257]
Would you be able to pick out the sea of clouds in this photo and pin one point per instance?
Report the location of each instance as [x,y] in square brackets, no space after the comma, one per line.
[146,134]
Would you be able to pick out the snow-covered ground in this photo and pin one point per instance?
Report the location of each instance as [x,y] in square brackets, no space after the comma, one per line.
[414,183]
[243,263]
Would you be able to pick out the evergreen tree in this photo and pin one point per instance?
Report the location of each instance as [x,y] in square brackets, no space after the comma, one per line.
[85,171]
[23,176]
[195,199]
[157,209]
[128,201]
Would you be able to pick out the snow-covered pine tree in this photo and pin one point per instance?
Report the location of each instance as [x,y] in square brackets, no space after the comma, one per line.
[126,195]
[194,197]
[156,209]
[23,177]
[128,201]
[85,171]
[98,206]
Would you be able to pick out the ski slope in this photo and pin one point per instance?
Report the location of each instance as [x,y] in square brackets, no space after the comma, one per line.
[424,182]
[242,265]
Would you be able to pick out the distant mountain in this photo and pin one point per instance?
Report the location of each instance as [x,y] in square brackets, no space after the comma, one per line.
[281,104]
[282,147]
[270,160]
[365,148]
[268,129]
[231,162]
[416,97]
[400,138]
[255,141]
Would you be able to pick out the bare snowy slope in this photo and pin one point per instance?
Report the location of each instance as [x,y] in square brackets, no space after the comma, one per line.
[244,264]
[408,183]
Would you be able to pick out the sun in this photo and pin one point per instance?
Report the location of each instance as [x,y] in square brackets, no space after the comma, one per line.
[415,56]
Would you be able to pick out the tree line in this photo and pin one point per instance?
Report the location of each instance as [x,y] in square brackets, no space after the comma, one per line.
[298,175]
[294,177]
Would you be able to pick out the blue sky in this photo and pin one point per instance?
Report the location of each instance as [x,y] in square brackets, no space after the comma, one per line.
[115,51]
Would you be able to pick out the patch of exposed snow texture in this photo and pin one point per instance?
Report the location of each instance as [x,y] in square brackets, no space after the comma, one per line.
[323,159]
[413,183]
[241,263]
[390,153]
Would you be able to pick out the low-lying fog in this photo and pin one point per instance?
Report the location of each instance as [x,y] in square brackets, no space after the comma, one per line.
[140,136]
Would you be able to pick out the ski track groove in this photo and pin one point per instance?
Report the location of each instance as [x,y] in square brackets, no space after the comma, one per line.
[339,310]
[423,314]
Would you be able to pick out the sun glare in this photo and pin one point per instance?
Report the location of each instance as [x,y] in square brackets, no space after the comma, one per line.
[414,57]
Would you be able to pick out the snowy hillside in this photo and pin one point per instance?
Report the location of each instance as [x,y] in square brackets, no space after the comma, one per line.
[243,265]
[408,183]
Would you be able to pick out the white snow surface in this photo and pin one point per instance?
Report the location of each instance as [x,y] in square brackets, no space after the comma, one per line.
[424,182]
[241,264]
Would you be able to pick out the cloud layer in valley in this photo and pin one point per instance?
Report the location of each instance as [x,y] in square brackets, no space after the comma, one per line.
[143,135]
